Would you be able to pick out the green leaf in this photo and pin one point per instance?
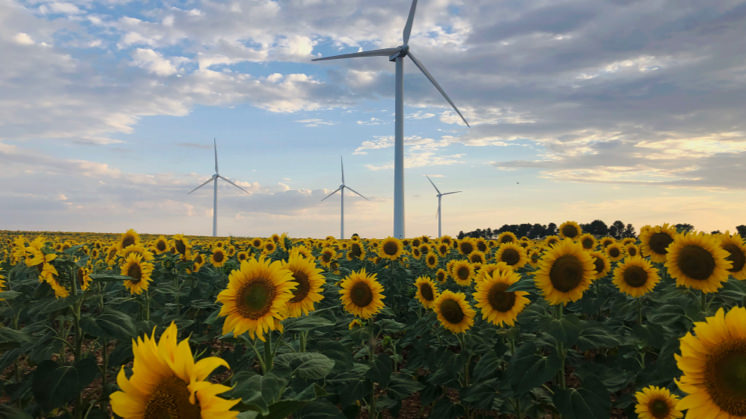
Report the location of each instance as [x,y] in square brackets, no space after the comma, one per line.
[525,284]
[381,370]
[259,391]
[10,295]
[109,277]
[308,365]
[110,324]
[527,369]
[595,337]
[53,385]
[306,323]
[9,412]
[565,330]
[284,409]
[589,401]
[11,338]
[403,386]
[487,366]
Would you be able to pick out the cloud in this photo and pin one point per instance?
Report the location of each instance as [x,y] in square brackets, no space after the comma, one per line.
[315,122]
[153,62]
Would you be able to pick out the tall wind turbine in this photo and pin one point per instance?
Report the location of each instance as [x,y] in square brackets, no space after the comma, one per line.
[214,179]
[341,191]
[440,195]
[397,55]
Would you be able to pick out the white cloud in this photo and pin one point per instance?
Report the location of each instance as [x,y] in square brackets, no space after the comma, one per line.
[23,38]
[153,62]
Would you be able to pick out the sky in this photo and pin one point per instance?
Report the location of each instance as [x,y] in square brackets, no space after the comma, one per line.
[579,110]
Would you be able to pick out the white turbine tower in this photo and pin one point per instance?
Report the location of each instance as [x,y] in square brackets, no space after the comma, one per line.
[214,179]
[341,191]
[397,55]
[439,195]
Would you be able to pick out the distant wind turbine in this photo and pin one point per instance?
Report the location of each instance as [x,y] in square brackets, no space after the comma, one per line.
[397,55]
[439,195]
[341,191]
[214,179]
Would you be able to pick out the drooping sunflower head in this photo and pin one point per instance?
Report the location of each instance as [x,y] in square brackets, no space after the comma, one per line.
[309,283]
[139,271]
[713,361]
[390,248]
[615,252]
[362,294]
[356,251]
[83,276]
[499,306]
[167,383]
[218,257]
[587,241]
[462,272]
[466,246]
[182,246]
[564,273]
[507,237]
[601,264]
[534,255]
[454,312]
[256,298]
[512,254]
[426,292]
[697,261]
[656,403]
[736,249]
[130,238]
[570,230]
[654,241]
[635,276]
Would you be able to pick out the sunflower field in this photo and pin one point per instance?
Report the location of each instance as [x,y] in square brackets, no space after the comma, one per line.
[570,326]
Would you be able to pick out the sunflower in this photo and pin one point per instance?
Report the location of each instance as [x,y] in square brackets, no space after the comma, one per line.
[486,271]
[713,361]
[257,242]
[362,295]
[477,257]
[454,312]
[144,253]
[462,272]
[587,241]
[605,241]
[167,383]
[564,273]
[601,264]
[465,246]
[697,261]
[534,256]
[309,284]
[500,307]
[139,270]
[160,245]
[355,251]
[218,257]
[242,256]
[199,262]
[354,324]
[481,245]
[635,276]
[83,275]
[302,251]
[390,248]
[269,247]
[656,403]
[130,238]
[512,254]
[631,249]
[654,241]
[431,260]
[507,237]
[327,256]
[736,255]
[183,247]
[441,275]
[416,253]
[256,298]
[615,252]
[551,241]
[427,292]
[443,249]
[446,239]
[2,284]
[570,230]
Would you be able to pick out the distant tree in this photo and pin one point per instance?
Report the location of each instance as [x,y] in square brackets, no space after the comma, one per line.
[684,228]
[741,230]
[616,230]
[461,235]
[715,232]
[523,230]
[537,231]
[629,231]
[551,230]
[598,228]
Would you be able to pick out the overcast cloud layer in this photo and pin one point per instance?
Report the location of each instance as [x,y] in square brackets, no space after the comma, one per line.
[617,92]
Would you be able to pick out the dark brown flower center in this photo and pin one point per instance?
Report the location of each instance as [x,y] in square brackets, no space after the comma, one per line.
[431,261]
[451,311]
[170,400]
[161,246]
[482,246]
[635,276]
[426,291]
[360,294]
[725,377]
[566,273]
[510,256]
[476,258]
[256,298]
[180,246]
[466,247]
[506,239]
[587,243]
[659,408]
[614,251]
[326,257]
[356,251]
[499,299]
[599,264]
[135,272]
[128,240]
[696,262]
[440,276]
[218,257]
[390,248]
[304,286]
[462,272]
[569,231]
[659,242]
[736,257]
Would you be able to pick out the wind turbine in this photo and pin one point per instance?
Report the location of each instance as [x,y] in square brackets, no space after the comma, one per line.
[341,191]
[439,195]
[397,55]
[214,179]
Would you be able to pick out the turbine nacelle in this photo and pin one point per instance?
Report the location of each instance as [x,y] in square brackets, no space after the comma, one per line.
[401,53]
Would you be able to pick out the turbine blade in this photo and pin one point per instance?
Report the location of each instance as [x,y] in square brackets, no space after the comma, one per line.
[341,163]
[221,177]
[408,27]
[431,182]
[437,86]
[361,195]
[335,191]
[214,143]
[449,193]
[386,52]
[206,182]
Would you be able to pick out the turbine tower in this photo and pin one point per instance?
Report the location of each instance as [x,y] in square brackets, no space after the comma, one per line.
[341,191]
[214,179]
[397,55]
[439,195]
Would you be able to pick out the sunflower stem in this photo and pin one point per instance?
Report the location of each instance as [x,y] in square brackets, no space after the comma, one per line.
[268,353]
[373,413]
[147,306]
[259,356]
[303,339]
